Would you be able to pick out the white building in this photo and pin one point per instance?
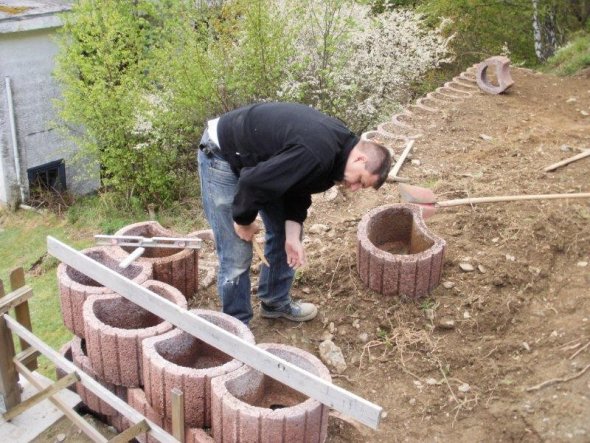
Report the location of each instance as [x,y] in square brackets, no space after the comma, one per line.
[31,147]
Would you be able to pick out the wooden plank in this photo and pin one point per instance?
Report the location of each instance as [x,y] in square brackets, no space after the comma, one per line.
[82,424]
[9,388]
[132,432]
[400,160]
[255,357]
[23,316]
[26,356]
[15,298]
[178,413]
[567,161]
[94,386]
[42,395]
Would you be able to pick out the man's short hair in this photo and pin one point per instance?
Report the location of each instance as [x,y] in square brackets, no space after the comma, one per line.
[379,160]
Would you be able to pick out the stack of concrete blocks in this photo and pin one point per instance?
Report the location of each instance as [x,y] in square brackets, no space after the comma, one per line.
[142,358]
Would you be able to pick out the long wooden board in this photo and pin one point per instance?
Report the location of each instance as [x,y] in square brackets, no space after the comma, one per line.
[287,373]
[94,386]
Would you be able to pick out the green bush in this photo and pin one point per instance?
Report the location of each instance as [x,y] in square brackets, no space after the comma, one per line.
[571,58]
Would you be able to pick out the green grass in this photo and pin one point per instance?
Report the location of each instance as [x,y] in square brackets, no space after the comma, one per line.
[23,243]
[572,58]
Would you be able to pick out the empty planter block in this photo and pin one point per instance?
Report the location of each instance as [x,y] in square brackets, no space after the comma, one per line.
[179,360]
[503,77]
[250,406]
[115,328]
[75,287]
[94,403]
[177,267]
[397,254]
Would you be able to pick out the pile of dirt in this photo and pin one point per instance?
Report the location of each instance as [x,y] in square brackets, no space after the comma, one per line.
[467,363]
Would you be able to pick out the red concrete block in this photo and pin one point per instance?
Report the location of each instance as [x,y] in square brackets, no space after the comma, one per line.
[177,267]
[137,400]
[503,77]
[75,287]
[94,403]
[115,328]
[248,406]
[179,360]
[397,254]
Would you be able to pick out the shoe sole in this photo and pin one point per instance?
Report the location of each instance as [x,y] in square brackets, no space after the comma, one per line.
[308,317]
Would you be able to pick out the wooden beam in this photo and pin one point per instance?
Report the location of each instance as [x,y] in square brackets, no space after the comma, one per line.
[82,424]
[400,161]
[23,316]
[9,388]
[27,356]
[132,432]
[15,298]
[255,357]
[94,386]
[178,413]
[42,395]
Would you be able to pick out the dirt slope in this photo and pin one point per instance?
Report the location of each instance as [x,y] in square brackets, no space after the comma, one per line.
[518,321]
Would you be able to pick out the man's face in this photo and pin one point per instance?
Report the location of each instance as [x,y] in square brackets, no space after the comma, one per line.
[356,176]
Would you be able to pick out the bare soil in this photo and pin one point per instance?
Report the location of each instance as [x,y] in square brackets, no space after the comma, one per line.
[498,354]
[520,319]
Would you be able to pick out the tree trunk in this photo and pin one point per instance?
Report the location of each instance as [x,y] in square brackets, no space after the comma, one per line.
[537,34]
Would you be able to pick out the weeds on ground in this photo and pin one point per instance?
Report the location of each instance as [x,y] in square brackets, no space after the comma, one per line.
[572,58]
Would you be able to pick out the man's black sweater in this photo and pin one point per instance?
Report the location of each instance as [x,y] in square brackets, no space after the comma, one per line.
[282,150]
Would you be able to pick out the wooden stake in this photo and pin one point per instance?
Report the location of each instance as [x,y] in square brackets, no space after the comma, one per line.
[567,161]
[177,414]
[9,388]
[23,316]
[82,424]
[260,252]
[40,396]
[400,161]
[132,432]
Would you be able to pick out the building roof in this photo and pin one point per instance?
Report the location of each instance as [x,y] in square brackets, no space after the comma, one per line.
[27,15]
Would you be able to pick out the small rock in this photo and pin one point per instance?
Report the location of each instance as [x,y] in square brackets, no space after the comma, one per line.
[485,137]
[571,100]
[326,336]
[467,267]
[464,388]
[60,437]
[482,269]
[332,356]
[446,323]
[384,414]
[412,401]
[356,323]
[448,285]
[331,327]
[429,314]
[582,264]
[565,148]
[526,346]
[306,290]
[331,193]
[510,257]
[418,384]
[363,337]
[416,162]
[112,429]
[466,315]
[495,239]
[318,228]
[584,113]
[431,381]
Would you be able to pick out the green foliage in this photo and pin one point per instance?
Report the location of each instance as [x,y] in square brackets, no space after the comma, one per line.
[572,58]
[104,66]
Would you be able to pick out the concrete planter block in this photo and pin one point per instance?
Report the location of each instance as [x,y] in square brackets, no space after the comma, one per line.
[75,287]
[179,360]
[177,267]
[66,352]
[93,402]
[248,406]
[397,254]
[137,400]
[115,328]
[504,80]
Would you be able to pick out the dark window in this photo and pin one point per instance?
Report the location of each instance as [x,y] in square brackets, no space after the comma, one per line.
[48,177]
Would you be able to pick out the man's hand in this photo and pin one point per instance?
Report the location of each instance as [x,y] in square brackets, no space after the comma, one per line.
[246,232]
[293,246]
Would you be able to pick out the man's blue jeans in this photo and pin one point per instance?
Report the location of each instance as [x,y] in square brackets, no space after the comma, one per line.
[218,187]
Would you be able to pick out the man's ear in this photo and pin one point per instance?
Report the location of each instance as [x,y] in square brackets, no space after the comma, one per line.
[360,157]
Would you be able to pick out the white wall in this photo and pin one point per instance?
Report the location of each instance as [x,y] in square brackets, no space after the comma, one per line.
[28,59]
